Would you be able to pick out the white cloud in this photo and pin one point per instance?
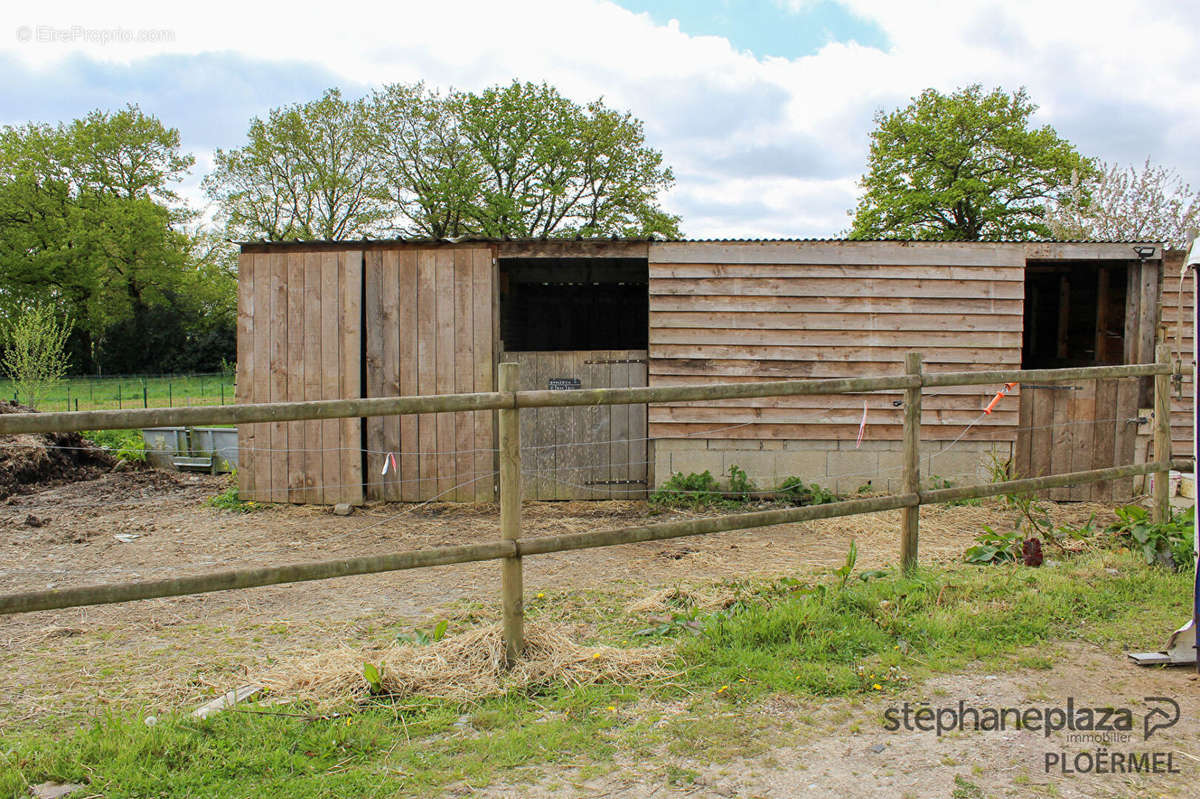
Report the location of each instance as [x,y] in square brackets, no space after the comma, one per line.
[760,146]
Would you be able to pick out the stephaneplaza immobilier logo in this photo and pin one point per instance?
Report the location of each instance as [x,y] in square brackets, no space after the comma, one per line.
[1103,726]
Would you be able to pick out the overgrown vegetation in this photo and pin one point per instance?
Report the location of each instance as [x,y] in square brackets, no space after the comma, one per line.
[1170,543]
[687,491]
[1032,527]
[124,445]
[817,635]
[796,492]
[702,490]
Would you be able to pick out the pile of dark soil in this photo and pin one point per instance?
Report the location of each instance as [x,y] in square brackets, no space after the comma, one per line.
[35,459]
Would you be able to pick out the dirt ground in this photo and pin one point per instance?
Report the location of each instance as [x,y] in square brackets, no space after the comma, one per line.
[170,653]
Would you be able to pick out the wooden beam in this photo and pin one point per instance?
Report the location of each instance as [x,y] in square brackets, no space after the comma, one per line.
[12,423]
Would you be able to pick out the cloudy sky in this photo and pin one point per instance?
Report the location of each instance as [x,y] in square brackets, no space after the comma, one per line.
[763,107]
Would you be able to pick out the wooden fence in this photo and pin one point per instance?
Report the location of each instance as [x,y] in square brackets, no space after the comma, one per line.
[511,547]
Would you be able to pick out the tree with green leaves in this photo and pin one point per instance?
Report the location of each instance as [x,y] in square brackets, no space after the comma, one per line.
[34,339]
[1148,204]
[554,168]
[511,161]
[964,166]
[305,173]
[432,178]
[89,215]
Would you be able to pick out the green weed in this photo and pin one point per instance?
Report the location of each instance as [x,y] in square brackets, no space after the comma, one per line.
[1167,543]
[229,499]
[796,492]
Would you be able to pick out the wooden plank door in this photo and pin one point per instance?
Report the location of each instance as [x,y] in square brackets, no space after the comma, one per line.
[587,452]
[1075,427]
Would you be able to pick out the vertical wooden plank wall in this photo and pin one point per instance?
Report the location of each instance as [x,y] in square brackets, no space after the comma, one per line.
[245,386]
[298,339]
[1182,426]
[766,310]
[429,330]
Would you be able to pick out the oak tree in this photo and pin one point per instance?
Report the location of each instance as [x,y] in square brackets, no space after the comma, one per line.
[964,166]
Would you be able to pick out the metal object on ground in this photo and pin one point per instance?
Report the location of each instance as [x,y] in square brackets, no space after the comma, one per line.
[1180,651]
[207,449]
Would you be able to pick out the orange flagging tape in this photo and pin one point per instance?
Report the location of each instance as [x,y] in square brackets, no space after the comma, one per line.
[999,396]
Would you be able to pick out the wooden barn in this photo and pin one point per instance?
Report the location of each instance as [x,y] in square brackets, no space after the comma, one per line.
[324,320]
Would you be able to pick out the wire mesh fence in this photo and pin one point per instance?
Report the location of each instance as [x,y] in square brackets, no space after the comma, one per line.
[118,392]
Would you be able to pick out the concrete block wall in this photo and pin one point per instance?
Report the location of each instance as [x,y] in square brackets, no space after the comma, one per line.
[835,465]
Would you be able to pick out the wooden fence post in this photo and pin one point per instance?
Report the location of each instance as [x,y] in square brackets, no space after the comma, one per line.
[512,579]
[1162,436]
[910,517]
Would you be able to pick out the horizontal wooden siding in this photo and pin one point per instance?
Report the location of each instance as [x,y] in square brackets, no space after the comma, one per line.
[756,311]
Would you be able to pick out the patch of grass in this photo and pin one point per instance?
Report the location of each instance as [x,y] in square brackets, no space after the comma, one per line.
[847,640]
[965,789]
[827,635]
[1031,661]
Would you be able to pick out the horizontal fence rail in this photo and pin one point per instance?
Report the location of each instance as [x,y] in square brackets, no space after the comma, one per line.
[496,400]
[511,548]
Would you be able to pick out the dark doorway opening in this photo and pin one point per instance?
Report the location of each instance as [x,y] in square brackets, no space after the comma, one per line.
[556,304]
[1074,315]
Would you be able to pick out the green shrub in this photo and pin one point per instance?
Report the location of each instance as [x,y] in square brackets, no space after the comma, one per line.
[740,485]
[124,445]
[687,491]
[795,491]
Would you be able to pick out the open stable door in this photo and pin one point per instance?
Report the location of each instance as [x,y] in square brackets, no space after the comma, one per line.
[1086,314]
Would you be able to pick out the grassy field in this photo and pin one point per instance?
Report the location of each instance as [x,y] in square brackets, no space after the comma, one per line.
[839,634]
[104,393]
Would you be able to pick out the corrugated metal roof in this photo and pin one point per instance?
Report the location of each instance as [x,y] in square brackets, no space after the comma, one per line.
[619,240]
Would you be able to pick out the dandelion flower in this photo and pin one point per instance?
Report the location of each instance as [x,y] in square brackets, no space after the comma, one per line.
[877,687]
